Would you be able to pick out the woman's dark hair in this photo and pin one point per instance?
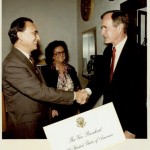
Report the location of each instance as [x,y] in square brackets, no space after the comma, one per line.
[118,17]
[17,25]
[49,51]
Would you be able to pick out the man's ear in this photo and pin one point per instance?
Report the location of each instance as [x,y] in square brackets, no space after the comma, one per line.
[120,27]
[19,34]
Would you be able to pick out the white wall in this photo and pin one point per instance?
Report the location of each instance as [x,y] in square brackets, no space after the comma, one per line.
[55,20]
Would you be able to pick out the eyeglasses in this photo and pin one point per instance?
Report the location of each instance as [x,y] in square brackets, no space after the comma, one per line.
[59,53]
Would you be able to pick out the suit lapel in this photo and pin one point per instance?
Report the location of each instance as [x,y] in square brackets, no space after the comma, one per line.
[29,65]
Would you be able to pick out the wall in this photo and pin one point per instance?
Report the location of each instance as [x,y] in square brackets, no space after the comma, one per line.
[55,20]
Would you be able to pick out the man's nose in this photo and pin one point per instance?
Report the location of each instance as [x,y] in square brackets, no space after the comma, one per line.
[37,37]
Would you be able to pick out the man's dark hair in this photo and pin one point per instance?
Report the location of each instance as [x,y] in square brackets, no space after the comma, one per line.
[118,17]
[49,51]
[17,25]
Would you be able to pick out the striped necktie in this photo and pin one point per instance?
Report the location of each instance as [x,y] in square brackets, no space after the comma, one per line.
[33,63]
[35,67]
[32,60]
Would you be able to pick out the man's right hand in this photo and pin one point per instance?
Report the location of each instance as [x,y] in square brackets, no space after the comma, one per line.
[81,96]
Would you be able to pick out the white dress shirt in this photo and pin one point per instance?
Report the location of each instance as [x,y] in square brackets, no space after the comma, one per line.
[119,48]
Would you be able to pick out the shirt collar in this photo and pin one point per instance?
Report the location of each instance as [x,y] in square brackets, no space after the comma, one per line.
[121,44]
[25,53]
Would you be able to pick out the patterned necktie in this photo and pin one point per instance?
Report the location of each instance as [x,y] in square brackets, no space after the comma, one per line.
[32,60]
[35,67]
[112,62]
[33,63]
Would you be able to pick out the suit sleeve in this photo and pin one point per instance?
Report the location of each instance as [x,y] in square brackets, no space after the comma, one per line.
[20,78]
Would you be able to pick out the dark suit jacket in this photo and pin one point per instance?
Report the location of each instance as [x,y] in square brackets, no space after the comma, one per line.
[50,75]
[26,97]
[127,89]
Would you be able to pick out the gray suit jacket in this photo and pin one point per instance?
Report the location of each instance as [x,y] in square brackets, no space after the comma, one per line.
[27,97]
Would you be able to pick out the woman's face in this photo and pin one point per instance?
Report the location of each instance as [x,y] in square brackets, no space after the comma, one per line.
[59,54]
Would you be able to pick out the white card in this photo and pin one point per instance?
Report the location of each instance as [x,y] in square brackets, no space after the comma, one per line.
[96,129]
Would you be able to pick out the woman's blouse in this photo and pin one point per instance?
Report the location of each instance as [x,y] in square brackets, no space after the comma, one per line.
[64,81]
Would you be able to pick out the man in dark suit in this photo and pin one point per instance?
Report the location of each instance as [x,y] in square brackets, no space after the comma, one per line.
[126,87]
[26,94]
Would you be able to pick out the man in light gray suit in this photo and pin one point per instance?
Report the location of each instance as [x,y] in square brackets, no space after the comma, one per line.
[26,94]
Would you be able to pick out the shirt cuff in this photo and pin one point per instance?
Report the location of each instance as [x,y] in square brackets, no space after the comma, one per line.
[74,96]
[88,90]
[130,132]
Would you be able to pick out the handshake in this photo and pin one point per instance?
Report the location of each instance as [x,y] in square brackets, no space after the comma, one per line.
[81,96]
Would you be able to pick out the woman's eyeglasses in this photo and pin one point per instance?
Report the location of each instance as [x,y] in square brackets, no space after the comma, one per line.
[59,53]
